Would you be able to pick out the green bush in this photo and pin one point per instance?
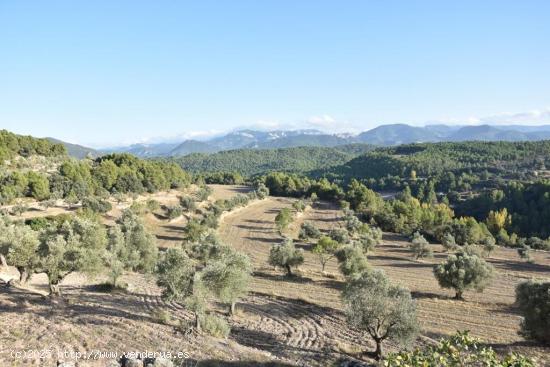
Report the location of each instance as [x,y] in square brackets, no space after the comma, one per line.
[174,211]
[216,326]
[460,350]
[96,205]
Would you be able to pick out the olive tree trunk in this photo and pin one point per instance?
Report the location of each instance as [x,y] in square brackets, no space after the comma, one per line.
[197,322]
[24,274]
[288,270]
[378,352]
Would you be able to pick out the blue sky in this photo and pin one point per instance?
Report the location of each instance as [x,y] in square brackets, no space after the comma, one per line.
[107,72]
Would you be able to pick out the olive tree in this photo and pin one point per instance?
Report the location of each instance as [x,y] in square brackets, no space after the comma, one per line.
[208,249]
[524,252]
[339,235]
[286,256]
[489,244]
[448,242]
[299,205]
[130,247]
[463,271]
[228,278]
[283,219]
[141,244]
[533,299]
[367,241]
[76,245]
[420,247]
[353,224]
[19,246]
[194,231]
[325,249]
[179,280]
[380,309]
[352,260]
[261,191]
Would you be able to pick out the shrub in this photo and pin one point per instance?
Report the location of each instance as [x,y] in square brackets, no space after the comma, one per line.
[463,271]
[458,350]
[162,317]
[152,205]
[339,235]
[194,231]
[188,203]
[174,211]
[533,299]
[96,205]
[216,326]
[210,220]
[308,230]
[203,193]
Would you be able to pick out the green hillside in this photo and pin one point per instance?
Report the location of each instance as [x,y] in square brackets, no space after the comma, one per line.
[12,145]
[250,162]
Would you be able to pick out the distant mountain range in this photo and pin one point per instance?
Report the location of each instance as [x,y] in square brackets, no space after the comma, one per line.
[384,135]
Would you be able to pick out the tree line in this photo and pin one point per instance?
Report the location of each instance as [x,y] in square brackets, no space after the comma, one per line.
[108,175]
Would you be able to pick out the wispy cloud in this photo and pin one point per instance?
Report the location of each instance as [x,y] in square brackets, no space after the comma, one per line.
[324,121]
[330,124]
[534,117]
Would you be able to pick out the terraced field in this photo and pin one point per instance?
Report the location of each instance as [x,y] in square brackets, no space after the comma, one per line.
[490,315]
[282,322]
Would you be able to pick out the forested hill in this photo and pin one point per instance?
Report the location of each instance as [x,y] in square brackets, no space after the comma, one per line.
[12,145]
[433,159]
[249,162]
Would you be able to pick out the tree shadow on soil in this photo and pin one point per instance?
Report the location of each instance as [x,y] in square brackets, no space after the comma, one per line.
[263,239]
[283,277]
[520,266]
[91,307]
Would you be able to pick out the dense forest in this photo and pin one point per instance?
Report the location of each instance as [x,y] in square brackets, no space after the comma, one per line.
[249,162]
[527,207]
[446,163]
